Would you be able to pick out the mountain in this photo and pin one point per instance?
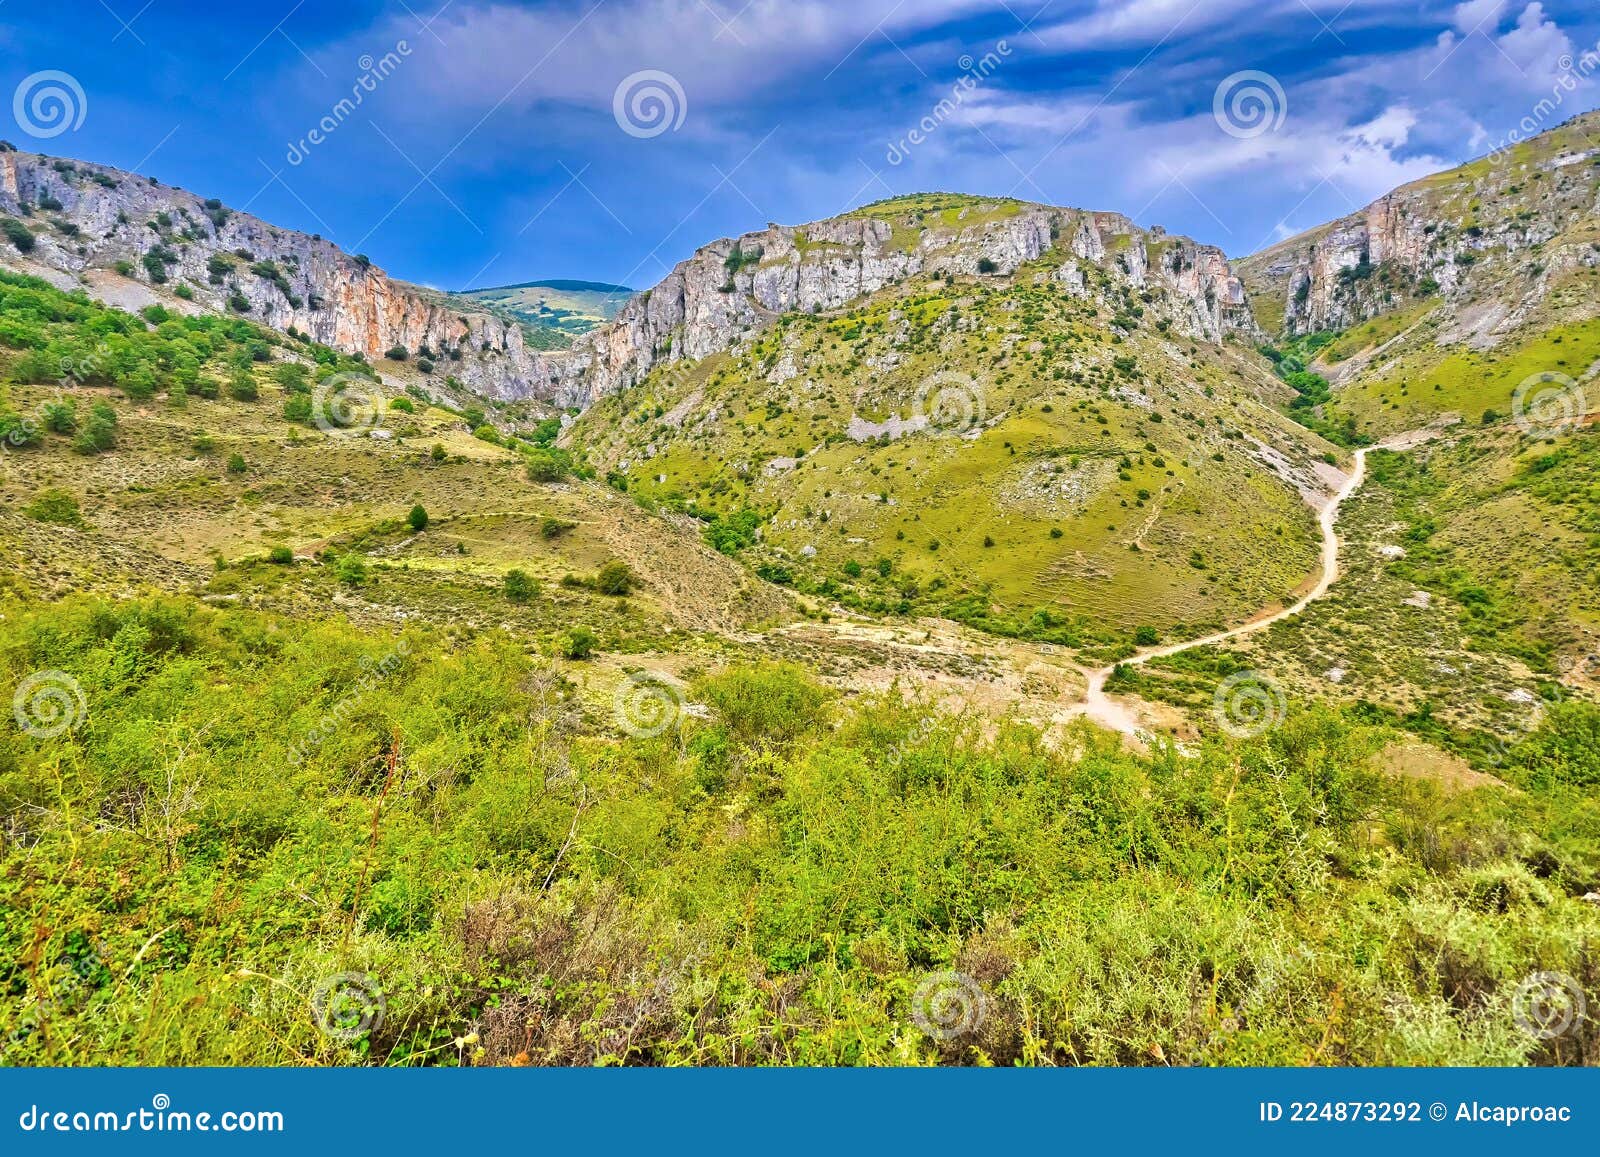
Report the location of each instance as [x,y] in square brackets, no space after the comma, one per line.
[553,312]
[1446,295]
[133,241]
[1048,422]
[843,685]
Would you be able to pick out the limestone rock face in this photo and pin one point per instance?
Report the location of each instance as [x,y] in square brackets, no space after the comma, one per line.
[234,262]
[88,217]
[1496,229]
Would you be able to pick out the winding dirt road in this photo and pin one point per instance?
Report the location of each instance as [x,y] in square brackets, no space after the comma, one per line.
[1109,713]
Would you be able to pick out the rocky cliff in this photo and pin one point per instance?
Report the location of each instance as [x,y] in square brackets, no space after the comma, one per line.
[1504,228]
[735,287]
[89,217]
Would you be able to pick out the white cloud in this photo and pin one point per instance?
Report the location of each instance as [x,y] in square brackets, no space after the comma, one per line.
[498,54]
[1472,15]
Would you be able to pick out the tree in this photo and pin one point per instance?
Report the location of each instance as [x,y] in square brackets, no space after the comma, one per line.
[418,518]
[547,465]
[1146,637]
[615,578]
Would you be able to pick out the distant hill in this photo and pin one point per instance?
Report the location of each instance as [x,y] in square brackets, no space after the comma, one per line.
[562,309]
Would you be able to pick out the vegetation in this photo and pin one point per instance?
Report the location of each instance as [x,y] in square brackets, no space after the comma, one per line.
[769,885]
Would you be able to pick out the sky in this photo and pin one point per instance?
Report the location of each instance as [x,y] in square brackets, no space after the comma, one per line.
[467,143]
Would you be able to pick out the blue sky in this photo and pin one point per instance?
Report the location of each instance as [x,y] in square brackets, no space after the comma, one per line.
[495,146]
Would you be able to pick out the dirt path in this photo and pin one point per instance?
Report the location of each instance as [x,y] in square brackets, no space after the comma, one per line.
[1110,713]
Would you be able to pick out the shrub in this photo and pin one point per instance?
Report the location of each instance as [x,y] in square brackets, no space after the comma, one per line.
[397,353]
[1146,637]
[768,701]
[236,464]
[418,518]
[553,527]
[615,578]
[987,266]
[99,432]
[242,387]
[578,643]
[280,556]
[351,570]
[438,453]
[520,586]
[298,408]
[403,405]
[547,465]
[18,234]
[17,432]
[60,417]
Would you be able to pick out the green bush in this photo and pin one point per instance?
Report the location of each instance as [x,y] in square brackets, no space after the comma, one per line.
[520,587]
[18,234]
[578,643]
[615,578]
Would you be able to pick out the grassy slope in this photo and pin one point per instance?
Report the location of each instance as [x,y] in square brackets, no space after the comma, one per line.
[166,508]
[1069,439]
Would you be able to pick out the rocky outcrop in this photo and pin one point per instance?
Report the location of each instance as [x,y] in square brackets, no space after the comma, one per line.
[91,217]
[735,287]
[1497,228]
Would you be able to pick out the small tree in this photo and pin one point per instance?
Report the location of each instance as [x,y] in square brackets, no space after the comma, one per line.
[236,464]
[418,518]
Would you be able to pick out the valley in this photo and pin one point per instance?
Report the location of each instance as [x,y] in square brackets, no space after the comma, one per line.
[1195,657]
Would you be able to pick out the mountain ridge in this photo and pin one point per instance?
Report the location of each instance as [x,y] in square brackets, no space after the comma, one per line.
[84,217]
